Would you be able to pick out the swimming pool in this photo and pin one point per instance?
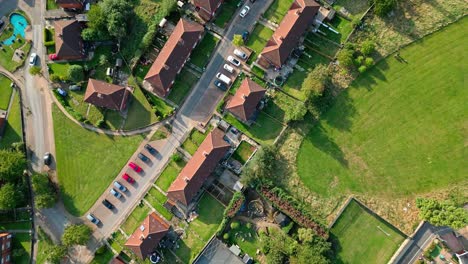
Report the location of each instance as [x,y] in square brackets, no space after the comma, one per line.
[19,24]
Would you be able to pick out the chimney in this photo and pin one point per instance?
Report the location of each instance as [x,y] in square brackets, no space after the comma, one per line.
[205,153]
[142,237]
[186,179]
[60,35]
[181,42]
[298,12]
[244,96]
[166,67]
[99,95]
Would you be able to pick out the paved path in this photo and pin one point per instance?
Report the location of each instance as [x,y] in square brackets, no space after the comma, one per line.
[17,231]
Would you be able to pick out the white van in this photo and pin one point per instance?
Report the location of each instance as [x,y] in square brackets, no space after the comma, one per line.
[240,54]
[228,68]
[223,78]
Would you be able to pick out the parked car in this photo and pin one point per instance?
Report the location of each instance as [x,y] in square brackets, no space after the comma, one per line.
[240,54]
[223,78]
[108,204]
[245,36]
[128,178]
[62,92]
[32,59]
[220,85]
[245,10]
[228,68]
[53,56]
[47,158]
[1,23]
[143,157]
[119,186]
[252,1]
[134,167]
[74,87]
[115,193]
[150,149]
[93,219]
[234,61]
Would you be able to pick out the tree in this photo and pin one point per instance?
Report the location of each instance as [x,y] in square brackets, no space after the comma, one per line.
[237,40]
[103,60]
[56,253]
[176,157]
[262,165]
[345,57]
[12,164]
[367,47]
[35,70]
[296,112]
[442,213]
[362,68]
[76,235]
[369,62]
[305,235]
[383,7]
[55,78]
[315,82]
[9,196]
[75,73]
[116,14]
[44,193]
[235,225]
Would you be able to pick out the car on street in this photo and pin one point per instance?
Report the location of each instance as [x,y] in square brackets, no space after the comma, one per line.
[228,68]
[128,178]
[47,158]
[119,186]
[245,10]
[240,54]
[143,157]
[108,204]
[93,219]
[134,167]
[150,149]
[32,59]
[234,61]
[115,193]
[221,85]
[223,78]
[245,36]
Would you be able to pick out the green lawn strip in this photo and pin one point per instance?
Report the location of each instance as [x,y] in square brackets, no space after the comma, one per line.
[228,8]
[22,241]
[113,119]
[157,200]
[343,26]
[117,241]
[169,174]
[141,71]
[162,108]
[277,10]
[135,218]
[13,132]
[51,4]
[202,52]
[379,131]
[356,8]
[264,130]
[104,257]
[258,39]
[320,43]
[5,92]
[192,143]
[24,225]
[246,239]
[140,113]
[44,245]
[77,151]
[182,85]
[201,229]
[377,239]
[243,152]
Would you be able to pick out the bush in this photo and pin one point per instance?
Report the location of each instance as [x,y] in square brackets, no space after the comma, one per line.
[76,235]
[249,226]
[222,226]
[75,73]
[367,47]
[369,62]
[235,225]
[176,157]
[362,68]
[226,236]
[55,78]
[234,205]
[45,196]
[101,123]
[359,60]
[101,250]
[383,7]
[345,57]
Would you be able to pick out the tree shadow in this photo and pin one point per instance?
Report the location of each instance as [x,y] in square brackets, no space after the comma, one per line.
[336,248]
[320,139]
[340,116]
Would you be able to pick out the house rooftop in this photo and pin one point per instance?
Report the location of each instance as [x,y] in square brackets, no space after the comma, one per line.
[68,41]
[244,103]
[107,95]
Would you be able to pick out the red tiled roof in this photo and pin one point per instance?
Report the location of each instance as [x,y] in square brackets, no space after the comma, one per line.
[68,41]
[300,16]
[172,57]
[106,95]
[244,103]
[147,236]
[69,3]
[207,7]
[200,166]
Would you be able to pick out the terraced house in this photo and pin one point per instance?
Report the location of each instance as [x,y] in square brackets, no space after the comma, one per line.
[5,248]
[245,102]
[299,18]
[173,57]
[207,8]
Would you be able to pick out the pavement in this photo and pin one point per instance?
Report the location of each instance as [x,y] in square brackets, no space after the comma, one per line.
[421,239]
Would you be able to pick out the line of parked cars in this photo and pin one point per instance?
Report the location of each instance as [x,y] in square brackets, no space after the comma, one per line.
[222,80]
[118,189]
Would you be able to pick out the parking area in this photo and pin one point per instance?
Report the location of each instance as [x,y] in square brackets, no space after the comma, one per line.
[231,68]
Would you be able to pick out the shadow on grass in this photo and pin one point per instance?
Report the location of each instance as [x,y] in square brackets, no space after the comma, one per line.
[69,204]
[320,139]
[336,248]
[184,252]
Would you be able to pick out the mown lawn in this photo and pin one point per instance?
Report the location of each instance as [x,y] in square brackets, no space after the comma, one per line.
[170,174]
[182,85]
[5,92]
[13,129]
[22,241]
[243,152]
[202,52]
[140,113]
[246,239]
[24,225]
[399,129]
[228,8]
[87,161]
[117,241]
[192,143]
[50,5]
[135,218]
[277,10]
[201,229]
[258,39]
[360,237]
[44,245]
[264,130]
[157,200]
[104,257]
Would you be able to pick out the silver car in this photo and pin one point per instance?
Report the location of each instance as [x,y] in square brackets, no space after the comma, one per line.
[93,219]
[119,186]
[115,193]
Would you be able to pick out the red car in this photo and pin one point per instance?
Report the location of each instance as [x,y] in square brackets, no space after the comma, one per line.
[53,56]
[134,167]
[128,178]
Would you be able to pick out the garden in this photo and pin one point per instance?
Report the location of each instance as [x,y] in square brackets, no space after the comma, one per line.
[277,10]
[170,173]
[13,39]
[76,146]
[378,240]
[157,199]
[102,255]
[184,81]
[228,8]
[202,52]
[134,220]
[257,41]
[22,248]
[13,130]
[194,141]
[243,152]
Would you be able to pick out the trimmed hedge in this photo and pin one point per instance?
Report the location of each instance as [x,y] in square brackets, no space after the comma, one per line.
[234,205]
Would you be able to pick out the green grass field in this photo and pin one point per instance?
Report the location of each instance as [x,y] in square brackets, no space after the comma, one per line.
[228,8]
[44,245]
[258,39]
[400,129]
[22,242]
[13,131]
[264,130]
[87,162]
[202,52]
[5,92]
[170,174]
[243,152]
[192,143]
[135,218]
[277,10]
[182,85]
[360,237]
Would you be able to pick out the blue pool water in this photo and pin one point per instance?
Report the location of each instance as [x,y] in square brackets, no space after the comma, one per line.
[19,24]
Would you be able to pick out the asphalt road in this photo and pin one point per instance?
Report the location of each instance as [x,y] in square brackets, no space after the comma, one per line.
[6,6]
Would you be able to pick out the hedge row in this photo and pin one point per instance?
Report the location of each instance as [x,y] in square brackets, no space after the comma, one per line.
[233,207]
